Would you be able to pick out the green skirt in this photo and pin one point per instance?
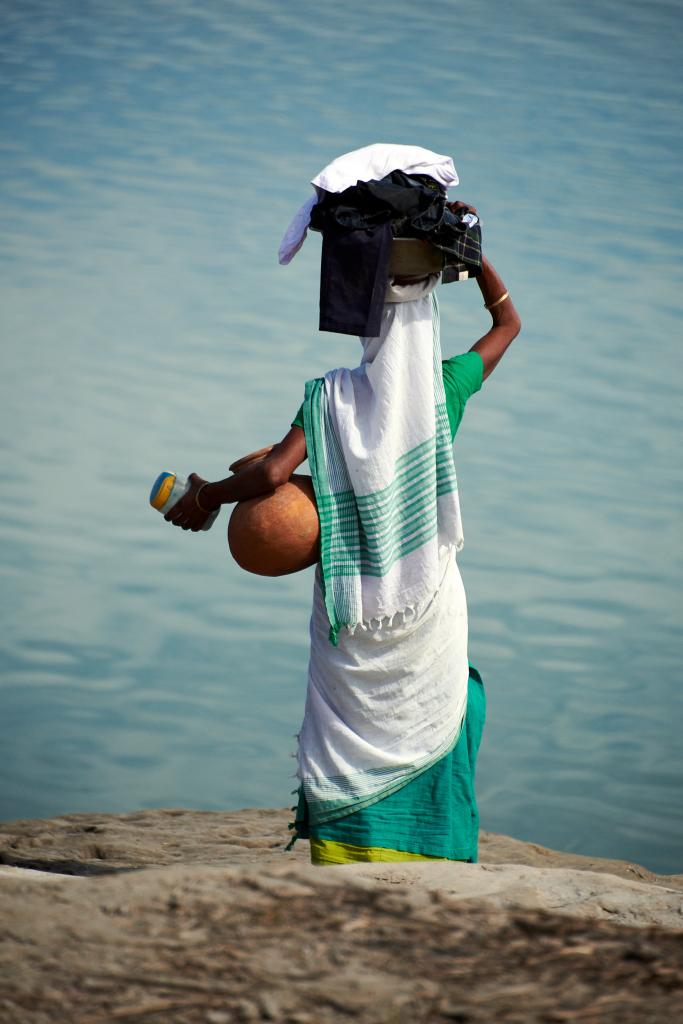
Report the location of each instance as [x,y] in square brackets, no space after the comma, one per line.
[433,816]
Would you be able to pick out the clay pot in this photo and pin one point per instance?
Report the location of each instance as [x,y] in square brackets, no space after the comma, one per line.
[277,533]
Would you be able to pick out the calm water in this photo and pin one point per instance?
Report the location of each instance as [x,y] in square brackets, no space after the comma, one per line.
[151,157]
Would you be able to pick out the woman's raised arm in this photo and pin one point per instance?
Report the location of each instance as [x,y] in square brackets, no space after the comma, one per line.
[506,323]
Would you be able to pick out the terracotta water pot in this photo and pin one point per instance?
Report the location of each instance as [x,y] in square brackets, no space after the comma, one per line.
[277,533]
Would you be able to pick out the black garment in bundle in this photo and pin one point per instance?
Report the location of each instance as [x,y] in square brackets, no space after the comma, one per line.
[358,227]
[353,279]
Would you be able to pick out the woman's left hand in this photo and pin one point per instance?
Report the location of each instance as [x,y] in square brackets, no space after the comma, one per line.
[458,207]
[186,513]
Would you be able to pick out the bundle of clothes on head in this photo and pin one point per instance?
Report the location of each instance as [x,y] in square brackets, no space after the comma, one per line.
[360,217]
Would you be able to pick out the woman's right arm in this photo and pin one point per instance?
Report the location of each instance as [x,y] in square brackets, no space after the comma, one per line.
[506,322]
[261,477]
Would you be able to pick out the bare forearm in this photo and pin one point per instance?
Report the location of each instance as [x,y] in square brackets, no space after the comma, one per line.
[261,476]
[490,283]
[251,482]
[506,322]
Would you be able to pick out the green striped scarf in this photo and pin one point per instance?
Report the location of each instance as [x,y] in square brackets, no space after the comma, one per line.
[380,544]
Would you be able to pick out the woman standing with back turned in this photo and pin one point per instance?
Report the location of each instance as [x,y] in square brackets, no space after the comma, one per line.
[394,712]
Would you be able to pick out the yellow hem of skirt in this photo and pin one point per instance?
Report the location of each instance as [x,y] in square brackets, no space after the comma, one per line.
[326,851]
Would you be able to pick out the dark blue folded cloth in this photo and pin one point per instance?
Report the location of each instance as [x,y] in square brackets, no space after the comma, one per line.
[358,227]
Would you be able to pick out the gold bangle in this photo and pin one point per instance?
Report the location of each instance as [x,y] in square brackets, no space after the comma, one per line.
[504,296]
[206,511]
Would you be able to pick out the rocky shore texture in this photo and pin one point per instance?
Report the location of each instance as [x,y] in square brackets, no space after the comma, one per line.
[192,916]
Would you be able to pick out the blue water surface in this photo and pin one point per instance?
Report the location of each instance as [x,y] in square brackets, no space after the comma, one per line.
[151,156]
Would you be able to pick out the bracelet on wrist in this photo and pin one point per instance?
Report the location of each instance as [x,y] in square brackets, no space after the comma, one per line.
[206,511]
[490,305]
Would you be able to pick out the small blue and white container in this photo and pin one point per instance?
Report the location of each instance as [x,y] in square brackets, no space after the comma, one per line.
[168,489]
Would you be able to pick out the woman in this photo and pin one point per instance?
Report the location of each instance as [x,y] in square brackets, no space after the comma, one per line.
[393,714]
[428,809]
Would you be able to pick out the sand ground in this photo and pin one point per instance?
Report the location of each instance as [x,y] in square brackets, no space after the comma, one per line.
[191,916]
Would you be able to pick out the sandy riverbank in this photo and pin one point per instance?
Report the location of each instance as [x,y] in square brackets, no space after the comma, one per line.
[222,926]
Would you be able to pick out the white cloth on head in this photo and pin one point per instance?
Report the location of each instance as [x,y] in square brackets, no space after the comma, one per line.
[295,234]
[371,163]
